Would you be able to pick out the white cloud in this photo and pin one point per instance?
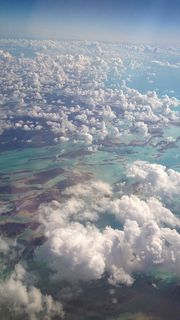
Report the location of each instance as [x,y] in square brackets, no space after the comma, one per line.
[5,55]
[78,250]
[155,179]
[131,207]
[142,128]
[167,64]
[21,299]
[80,76]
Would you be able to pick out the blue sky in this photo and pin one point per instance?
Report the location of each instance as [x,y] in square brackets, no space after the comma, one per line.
[145,20]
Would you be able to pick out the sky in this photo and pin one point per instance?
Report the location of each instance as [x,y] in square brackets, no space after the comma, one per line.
[111,20]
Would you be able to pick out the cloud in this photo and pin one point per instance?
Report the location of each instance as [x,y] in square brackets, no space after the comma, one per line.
[76,249]
[74,252]
[167,64]
[81,204]
[131,207]
[21,299]
[5,55]
[155,179]
[93,188]
[142,128]
[74,71]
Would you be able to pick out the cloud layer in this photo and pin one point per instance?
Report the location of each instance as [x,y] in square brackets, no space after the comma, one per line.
[78,91]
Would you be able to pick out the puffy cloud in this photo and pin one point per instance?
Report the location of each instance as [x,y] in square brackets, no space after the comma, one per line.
[155,179]
[5,55]
[131,207]
[77,250]
[93,188]
[88,138]
[142,128]
[167,64]
[108,114]
[19,298]
[82,204]
[74,252]
[82,77]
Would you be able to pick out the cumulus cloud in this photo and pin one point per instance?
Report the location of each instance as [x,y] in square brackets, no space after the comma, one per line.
[131,207]
[21,299]
[93,188]
[167,64]
[75,252]
[76,249]
[82,77]
[142,128]
[82,204]
[5,55]
[88,138]
[155,179]
[78,252]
